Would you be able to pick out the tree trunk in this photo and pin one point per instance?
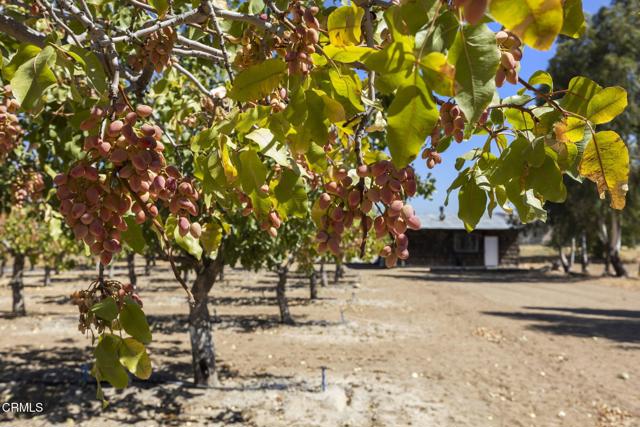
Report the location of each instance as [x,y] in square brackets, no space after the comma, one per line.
[202,348]
[313,282]
[584,253]
[615,241]
[324,279]
[131,267]
[572,254]
[17,286]
[222,273]
[3,264]
[283,304]
[564,261]
[339,273]
[47,275]
[147,265]
[604,238]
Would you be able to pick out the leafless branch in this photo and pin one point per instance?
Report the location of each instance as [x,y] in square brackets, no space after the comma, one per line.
[99,36]
[58,21]
[199,46]
[216,26]
[191,77]
[196,54]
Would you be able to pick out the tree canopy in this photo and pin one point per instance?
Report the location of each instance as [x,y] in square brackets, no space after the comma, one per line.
[186,116]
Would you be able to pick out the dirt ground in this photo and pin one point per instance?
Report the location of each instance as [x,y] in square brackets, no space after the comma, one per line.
[401,347]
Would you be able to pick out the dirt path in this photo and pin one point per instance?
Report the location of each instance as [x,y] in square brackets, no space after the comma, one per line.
[401,347]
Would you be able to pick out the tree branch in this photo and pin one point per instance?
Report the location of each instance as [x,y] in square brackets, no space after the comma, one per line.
[99,36]
[199,46]
[196,54]
[21,32]
[214,18]
[191,77]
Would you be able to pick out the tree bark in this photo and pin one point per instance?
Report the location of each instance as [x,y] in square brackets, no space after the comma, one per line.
[222,273]
[564,262]
[47,275]
[202,346]
[339,273]
[584,253]
[615,241]
[131,268]
[324,279]
[605,239]
[147,265]
[572,254]
[17,286]
[283,304]
[313,285]
[3,264]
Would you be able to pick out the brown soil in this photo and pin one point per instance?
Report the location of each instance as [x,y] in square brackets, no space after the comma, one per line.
[402,347]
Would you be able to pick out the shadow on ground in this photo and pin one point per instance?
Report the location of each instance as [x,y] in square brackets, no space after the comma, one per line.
[59,378]
[616,325]
[483,276]
[171,324]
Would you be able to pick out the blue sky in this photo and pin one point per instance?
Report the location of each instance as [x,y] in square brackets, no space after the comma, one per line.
[445,173]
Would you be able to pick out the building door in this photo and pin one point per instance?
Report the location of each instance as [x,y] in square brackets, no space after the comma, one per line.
[491,257]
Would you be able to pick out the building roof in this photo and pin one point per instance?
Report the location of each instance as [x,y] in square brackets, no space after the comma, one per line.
[498,221]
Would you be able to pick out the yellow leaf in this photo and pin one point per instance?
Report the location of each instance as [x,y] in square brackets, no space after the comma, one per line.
[606,105]
[344,25]
[570,129]
[439,74]
[536,22]
[230,171]
[606,162]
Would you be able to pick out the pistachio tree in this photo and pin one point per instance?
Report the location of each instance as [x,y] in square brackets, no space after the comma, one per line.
[189,115]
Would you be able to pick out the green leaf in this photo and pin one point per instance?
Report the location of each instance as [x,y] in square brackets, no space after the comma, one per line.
[260,136]
[133,236]
[511,162]
[472,202]
[476,56]
[25,52]
[344,25]
[536,22]
[253,173]
[579,94]
[519,119]
[134,322]
[346,85]
[161,6]
[574,24]
[107,362]
[107,309]
[258,81]
[411,118]
[347,54]
[291,194]
[547,180]
[606,162]
[33,77]
[541,78]
[92,67]
[607,105]
[188,243]
[133,356]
